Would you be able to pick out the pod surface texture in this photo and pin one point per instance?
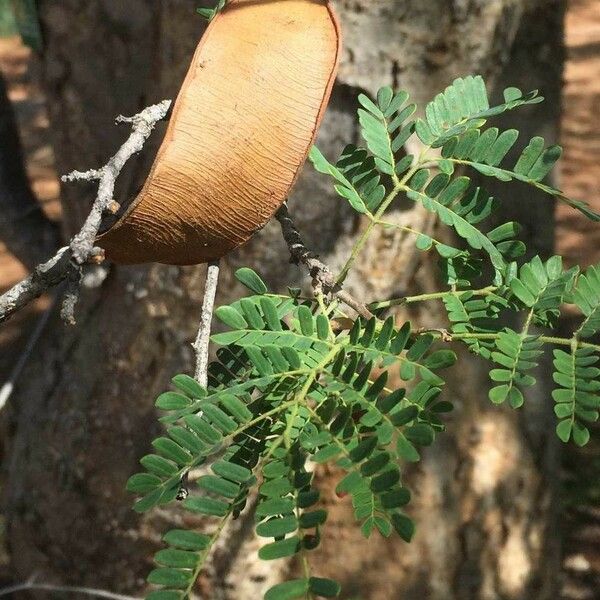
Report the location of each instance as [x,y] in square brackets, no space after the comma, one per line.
[242,125]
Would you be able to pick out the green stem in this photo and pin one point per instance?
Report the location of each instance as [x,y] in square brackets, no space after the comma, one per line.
[408,229]
[303,554]
[427,297]
[204,554]
[301,395]
[295,402]
[360,244]
[556,341]
[574,344]
[400,185]
[201,459]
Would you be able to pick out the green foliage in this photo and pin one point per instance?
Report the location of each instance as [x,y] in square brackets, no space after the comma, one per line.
[587,298]
[540,288]
[462,207]
[287,389]
[384,127]
[297,384]
[515,355]
[359,168]
[20,17]
[210,13]
[577,397]
[473,314]
[464,107]
[7,20]
[485,151]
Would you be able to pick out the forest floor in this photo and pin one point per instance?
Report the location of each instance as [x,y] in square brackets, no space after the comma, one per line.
[577,240]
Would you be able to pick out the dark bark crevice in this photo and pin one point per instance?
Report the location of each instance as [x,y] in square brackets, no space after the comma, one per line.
[24,228]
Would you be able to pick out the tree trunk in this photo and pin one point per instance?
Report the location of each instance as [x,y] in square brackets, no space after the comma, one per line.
[28,234]
[85,414]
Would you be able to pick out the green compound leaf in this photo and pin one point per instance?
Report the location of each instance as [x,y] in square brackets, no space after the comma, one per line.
[485,151]
[464,107]
[343,186]
[296,380]
[577,399]
[251,280]
[280,549]
[462,212]
[587,298]
[326,588]
[289,590]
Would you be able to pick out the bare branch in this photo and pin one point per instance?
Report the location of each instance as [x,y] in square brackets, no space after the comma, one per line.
[71,296]
[67,262]
[202,340]
[321,274]
[82,244]
[89,175]
[43,278]
[32,585]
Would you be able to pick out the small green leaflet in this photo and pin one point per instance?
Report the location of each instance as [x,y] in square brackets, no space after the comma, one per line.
[344,188]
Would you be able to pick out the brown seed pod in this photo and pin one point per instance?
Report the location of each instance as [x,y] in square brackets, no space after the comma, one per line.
[242,125]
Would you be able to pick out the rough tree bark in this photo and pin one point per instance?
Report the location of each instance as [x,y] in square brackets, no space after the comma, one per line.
[85,410]
[28,234]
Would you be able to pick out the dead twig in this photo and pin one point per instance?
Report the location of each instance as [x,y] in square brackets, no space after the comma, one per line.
[323,278]
[142,124]
[44,277]
[32,585]
[68,261]
[201,344]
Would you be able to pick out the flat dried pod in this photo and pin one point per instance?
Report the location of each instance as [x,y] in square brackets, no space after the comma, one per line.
[241,128]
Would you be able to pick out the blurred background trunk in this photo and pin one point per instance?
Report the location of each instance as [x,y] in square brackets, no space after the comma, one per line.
[24,228]
[486,498]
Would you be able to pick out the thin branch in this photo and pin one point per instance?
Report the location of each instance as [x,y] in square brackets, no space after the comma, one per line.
[71,295]
[82,245]
[44,277]
[557,341]
[487,291]
[67,262]
[202,340]
[32,585]
[323,278]
[89,175]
